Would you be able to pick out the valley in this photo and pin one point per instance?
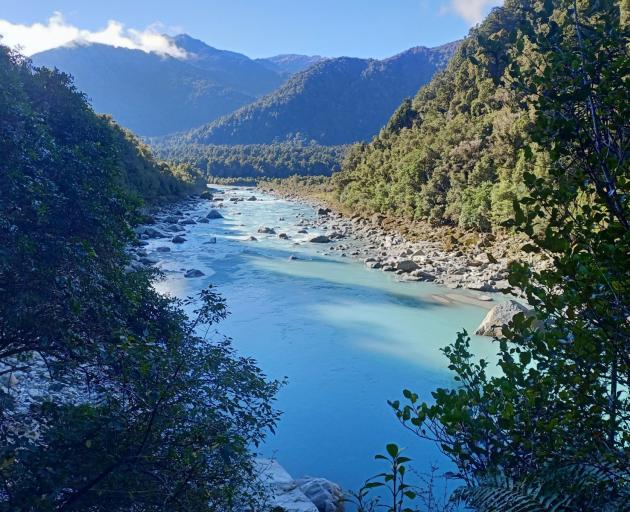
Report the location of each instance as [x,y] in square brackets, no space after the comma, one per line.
[285,279]
[347,337]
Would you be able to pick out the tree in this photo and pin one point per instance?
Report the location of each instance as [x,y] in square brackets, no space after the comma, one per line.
[110,399]
[561,399]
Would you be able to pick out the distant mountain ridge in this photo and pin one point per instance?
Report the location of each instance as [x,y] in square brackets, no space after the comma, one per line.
[335,101]
[290,63]
[156,95]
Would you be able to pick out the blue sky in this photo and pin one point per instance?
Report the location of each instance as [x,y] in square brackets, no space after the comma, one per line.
[258,28]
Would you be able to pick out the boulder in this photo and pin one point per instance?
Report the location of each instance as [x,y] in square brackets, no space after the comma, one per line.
[378,219]
[174,228]
[266,230]
[178,239]
[153,233]
[172,219]
[407,265]
[213,214]
[187,222]
[321,239]
[193,273]
[424,276]
[206,195]
[8,380]
[500,315]
[325,495]
[163,249]
[252,198]
[203,220]
[303,231]
[283,236]
[323,211]
[253,239]
[283,492]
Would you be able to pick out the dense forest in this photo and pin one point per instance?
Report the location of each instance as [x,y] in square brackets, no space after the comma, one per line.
[279,160]
[109,400]
[551,429]
[455,153]
[335,101]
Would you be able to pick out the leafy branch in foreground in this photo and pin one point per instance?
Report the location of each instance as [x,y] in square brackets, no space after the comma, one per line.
[394,493]
[560,398]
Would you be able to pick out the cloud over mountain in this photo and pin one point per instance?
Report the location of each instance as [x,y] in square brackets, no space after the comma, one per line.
[473,11]
[58,32]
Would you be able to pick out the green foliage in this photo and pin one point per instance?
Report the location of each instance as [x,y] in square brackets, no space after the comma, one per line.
[334,102]
[393,492]
[147,178]
[462,132]
[280,160]
[476,204]
[109,398]
[560,399]
[548,492]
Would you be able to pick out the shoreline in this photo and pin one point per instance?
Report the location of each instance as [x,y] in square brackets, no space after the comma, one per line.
[468,275]
[480,268]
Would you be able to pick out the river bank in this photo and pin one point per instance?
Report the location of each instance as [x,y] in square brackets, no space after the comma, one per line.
[477,262]
[347,337]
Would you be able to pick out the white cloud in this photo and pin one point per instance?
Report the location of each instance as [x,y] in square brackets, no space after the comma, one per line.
[473,11]
[57,32]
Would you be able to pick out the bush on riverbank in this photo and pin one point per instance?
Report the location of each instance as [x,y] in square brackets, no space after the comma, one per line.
[109,400]
[278,160]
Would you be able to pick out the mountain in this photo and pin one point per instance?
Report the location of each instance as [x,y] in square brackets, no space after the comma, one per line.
[289,64]
[230,68]
[155,95]
[453,154]
[335,101]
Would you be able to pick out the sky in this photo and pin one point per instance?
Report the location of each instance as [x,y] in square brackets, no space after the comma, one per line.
[257,28]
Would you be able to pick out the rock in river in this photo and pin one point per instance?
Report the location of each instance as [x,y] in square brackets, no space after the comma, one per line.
[266,230]
[500,315]
[321,239]
[152,233]
[178,239]
[325,495]
[407,266]
[194,273]
[213,214]
[283,492]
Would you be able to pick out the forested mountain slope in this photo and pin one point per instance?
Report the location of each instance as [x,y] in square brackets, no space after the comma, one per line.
[336,101]
[109,401]
[155,95]
[279,160]
[453,153]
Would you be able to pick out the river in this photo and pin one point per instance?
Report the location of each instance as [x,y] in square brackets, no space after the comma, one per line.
[347,338]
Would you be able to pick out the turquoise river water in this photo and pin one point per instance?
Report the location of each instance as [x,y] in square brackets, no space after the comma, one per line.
[346,337]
